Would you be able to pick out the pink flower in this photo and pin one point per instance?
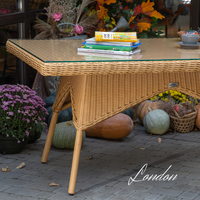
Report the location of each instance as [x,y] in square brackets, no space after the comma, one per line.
[78,29]
[57,16]
[4,11]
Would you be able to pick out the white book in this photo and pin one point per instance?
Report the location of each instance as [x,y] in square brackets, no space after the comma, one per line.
[92,41]
[127,53]
[98,56]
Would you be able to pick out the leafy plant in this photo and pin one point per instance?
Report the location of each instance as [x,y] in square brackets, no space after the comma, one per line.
[22,112]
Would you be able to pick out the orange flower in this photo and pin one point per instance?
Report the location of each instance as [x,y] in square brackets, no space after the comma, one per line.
[156,15]
[143,26]
[108,2]
[131,19]
[148,6]
[100,2]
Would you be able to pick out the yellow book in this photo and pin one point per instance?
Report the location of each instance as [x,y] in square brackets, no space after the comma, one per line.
[116,36]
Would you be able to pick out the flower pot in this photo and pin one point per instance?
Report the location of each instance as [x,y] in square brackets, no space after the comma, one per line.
[9,145]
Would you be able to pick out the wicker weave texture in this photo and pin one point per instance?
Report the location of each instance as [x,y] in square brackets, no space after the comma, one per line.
[182,125]
[98,97]
[90,68]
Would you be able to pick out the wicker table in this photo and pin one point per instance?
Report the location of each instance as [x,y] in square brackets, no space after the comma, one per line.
[102,87]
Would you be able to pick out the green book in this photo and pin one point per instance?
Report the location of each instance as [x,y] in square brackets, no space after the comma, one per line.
[109,47]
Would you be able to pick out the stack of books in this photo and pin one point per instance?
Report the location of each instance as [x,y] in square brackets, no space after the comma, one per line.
[111,43]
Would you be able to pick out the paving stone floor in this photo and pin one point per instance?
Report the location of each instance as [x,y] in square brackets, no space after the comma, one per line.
[106,176]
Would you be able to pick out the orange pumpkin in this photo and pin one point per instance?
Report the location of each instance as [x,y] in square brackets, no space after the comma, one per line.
[142,108]
[197,107]
[116,127]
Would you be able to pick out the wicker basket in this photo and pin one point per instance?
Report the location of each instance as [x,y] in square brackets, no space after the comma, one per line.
[183,125]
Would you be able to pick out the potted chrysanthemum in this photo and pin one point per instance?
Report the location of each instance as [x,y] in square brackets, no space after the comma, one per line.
[22,116]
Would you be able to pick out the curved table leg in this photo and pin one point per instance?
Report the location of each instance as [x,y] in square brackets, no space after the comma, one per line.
[75,161]
[49,137]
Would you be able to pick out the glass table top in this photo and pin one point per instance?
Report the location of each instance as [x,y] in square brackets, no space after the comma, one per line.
[154,49]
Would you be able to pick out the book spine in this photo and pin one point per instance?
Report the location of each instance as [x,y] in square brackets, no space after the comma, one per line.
[116,36]
[107,47]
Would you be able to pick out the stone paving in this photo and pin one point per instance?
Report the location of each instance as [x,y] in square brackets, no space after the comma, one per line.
[106,175]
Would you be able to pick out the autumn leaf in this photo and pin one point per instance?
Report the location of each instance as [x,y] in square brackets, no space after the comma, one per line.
[148,6]
[101,12]
[142,148]
[156,14]
[143,26]
[108,2]
[100,2]
[5,169]
[54,184]
[21,165]
[131,19]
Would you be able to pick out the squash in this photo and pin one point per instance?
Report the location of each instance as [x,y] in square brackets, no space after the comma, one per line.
[116,127]
[142,108]
[49,101]
[65,135]
[156,121]
[197,122]
[129,112]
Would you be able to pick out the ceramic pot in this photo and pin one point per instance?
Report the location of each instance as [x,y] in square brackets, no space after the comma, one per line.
[9,145]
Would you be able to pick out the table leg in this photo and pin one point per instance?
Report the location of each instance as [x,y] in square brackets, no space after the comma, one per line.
[49,137]
[75,161]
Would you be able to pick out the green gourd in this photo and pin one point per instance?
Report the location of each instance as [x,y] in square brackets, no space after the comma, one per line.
[156,121]
[65,135]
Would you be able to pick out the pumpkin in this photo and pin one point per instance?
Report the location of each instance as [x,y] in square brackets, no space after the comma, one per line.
[65,135]
[142,108]
[129,112]
[116,127]
[156,121]
[197,122]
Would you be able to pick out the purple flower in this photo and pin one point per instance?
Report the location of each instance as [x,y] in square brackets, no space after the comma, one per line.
[7,135]
[5,108]
[10,113]
[28,120]
[7,117]
[18,141]
[5,129]
[27,133]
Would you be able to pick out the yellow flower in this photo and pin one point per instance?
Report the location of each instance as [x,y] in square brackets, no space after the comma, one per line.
[160,95]
[183,101]
[190,101]
[151,98]
[166,92]
[172,94]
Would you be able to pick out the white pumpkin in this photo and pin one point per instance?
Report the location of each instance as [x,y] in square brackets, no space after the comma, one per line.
[156,121]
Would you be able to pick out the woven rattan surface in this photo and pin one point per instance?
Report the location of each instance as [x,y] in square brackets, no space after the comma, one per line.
[60,58]
[182,125]
[100,90]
